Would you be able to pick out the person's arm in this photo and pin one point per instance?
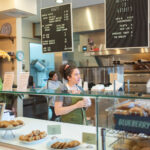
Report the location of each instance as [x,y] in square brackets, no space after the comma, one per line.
[62,110]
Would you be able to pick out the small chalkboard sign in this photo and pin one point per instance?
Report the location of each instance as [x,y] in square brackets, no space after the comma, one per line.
[127,23]
[133,124]
[2,107]
[56,24]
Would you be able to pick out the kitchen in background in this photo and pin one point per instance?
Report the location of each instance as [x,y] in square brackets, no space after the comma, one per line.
[90,52]
[40,65]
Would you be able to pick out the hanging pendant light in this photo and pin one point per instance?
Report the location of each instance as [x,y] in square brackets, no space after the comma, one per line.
[59,1]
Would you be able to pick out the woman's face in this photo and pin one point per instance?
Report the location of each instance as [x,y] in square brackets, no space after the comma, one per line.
[55,77]
[75,76]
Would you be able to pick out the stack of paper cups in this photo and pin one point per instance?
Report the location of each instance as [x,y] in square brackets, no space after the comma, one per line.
[85,86]
[80,83]
[89,103]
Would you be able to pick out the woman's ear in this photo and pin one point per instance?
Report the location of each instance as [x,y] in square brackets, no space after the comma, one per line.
[68,78]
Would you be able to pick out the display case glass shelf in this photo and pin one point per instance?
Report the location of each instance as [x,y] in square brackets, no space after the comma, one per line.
[96,94]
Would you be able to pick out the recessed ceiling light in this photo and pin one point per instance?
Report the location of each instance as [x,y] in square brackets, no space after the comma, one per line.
[59,1]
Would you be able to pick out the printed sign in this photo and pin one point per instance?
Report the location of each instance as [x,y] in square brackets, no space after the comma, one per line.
[53,129]
[113,76]
[89,138]
[8,81]
[23,81]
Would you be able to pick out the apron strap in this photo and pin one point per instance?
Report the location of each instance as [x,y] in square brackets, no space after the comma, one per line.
[84,116]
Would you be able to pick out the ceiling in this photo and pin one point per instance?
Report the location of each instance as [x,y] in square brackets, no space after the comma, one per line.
[75,3]
[50,3]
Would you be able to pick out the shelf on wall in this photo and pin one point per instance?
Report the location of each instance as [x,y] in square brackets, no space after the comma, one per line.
[10,37]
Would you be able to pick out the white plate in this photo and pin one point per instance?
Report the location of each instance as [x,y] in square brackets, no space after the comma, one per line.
[34,142]
[61,140]
[12,128]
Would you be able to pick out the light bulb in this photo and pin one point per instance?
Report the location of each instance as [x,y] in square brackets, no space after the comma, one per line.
[59,1]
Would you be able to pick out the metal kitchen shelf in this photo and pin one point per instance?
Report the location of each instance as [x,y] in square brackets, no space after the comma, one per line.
[111,52]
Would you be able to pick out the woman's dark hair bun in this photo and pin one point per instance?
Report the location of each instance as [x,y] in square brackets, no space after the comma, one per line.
[66,70]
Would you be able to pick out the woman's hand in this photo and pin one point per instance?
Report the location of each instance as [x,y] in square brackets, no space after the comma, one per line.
[89,103]
[82,103]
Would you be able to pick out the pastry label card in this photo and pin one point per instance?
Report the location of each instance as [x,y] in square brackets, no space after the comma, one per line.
[89,138]
[53,129]
[8,81]
[23,81]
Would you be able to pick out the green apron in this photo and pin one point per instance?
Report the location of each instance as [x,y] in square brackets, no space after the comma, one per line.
[77,116]
[1,84]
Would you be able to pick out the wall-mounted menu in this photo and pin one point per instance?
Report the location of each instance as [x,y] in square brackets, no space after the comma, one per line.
[127,23]
[56,24]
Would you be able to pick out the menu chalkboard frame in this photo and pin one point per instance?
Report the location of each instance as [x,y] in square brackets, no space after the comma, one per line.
[71,27]
[127,47]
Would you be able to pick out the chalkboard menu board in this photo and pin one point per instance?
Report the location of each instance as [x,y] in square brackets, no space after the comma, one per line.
[127,23]
[56,23]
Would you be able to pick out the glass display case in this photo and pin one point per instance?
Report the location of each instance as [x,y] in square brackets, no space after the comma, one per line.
[112,118]
[123,121]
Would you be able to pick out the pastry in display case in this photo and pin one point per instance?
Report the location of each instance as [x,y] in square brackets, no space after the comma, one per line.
[68,144]
[132,144]
[11,125]
[33,137]
[132,116]
[133,108]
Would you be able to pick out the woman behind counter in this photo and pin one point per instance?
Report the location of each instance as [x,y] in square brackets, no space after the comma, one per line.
[71,109]
[53,82]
